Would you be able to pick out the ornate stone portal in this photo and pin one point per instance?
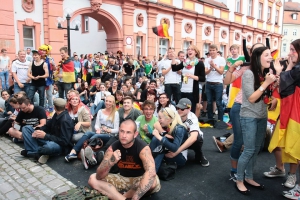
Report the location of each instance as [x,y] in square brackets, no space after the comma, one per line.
[95,5]
[28,5]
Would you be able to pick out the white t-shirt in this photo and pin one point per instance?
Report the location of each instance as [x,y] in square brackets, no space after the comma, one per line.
[104,62]
[214,76]
[188,87]
[170,77]
[21,69]
[29,57]
[192,123]
[4,62]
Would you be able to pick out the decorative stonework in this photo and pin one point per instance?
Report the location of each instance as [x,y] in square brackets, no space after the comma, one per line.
[237,36]
[28,5]
[188,27]
[165,21]
[249,37]
[95,5]
[207,31]
[224,34]
[278,3]
[259,40]
[140,20]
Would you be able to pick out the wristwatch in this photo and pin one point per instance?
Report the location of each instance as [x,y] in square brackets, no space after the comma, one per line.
[261,89]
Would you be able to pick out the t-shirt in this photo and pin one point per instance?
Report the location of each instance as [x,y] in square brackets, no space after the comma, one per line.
[192,123]
[170,77]
[4,62]
[130,164]
[213,75]
[148,68]
[142,121]
[233,60]
[187,83]
[29,57]
[33,118]
[128,69]
[21,69]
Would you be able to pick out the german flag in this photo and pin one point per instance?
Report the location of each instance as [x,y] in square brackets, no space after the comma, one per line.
[274,114]
[68,71]
[161,30]
[275,54]
[235,87]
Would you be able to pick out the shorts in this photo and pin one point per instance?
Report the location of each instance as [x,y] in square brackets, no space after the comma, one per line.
[123,183]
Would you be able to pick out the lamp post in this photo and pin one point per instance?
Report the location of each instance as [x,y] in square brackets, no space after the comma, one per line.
[68,17]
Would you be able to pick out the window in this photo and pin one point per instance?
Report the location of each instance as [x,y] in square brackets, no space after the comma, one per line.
[163,46]
[250,7]
[86,24]
[269,14]
[186,45]
[260,7]
[294,16]
[294,32]
[285,32]
[284,47]
[238,6]
[222,49]
[138,45]
[205,48]
[276,17]
[28,37]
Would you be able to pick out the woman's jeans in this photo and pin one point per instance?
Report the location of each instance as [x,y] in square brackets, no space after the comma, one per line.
[179,159]
[4,76]
[95,109]
[254,131]
[41,92]
[91,135]
[237,132]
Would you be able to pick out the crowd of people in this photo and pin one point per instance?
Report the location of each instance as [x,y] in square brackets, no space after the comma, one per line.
[146,111]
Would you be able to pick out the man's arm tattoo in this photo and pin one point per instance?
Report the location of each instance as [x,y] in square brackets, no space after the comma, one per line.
[112,158]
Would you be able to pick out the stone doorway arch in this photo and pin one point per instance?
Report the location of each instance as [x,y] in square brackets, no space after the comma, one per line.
[111,26]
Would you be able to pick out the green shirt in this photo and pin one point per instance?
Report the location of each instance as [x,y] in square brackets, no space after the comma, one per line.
[141,119]
[233,60]
[148,68]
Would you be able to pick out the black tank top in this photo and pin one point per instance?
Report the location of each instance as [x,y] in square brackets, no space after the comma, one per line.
[130,164]
[38,71]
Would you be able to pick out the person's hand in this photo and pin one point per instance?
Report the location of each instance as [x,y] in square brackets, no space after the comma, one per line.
[155,133]
[145,128]
[278,67]
[270,78]
[1,110]
[189,75]
[98,131]
[21,85]
[115,157]
[13,117]
[28,80]
[34,78]
[9,112]
[59,75]
[291,64]
[212,64]
[171,154]
[38,134]
[273,104]
[179,72]
[237,63]
[77,126]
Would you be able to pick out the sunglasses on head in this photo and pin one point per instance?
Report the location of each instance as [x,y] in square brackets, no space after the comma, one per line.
[168,113]
[182,109]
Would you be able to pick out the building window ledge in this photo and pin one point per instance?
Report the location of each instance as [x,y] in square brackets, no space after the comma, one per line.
[259,20]
[250,17]
[239,14]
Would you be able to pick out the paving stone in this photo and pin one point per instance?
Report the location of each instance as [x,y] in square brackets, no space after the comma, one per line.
[62,189]
[13,195]
[16,166]
[22,171]
[36,183]
[36,169]
[31,180]
[43,198]
[42,187]
[55,183]
[12,172]
[47,178]
[27,195]
[4,166]
[1,162]
[41,174]
[27,176]
[31,198]
[5,187]
[10,162]
[48,192]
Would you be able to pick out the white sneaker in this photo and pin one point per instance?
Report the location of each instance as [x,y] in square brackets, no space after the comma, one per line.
[43,159]
[275,172]
[293,193]
[290,181]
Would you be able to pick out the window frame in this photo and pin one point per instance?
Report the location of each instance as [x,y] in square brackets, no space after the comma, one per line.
[284,47]
[27,39]
[250,8]
[86,24]
[184,48]
[285,31]
[276,17]
[260,10]
[238,6]
[138,44]
[269,14]
[294,32]
[161,46]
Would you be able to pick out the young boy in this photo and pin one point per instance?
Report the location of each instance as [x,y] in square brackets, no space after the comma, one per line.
[148,67]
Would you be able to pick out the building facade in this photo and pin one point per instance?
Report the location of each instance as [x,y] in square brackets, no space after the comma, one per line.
[127,25]
[291,26]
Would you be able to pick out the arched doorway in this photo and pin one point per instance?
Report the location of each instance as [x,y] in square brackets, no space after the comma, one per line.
[112,28]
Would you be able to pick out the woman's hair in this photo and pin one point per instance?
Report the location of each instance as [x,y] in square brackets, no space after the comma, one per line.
[255,63]
[82,86]
[296,44]
[13,100]
[69,106]
[160,105]
[20,94]
[253,47]
[143,85]
[197,55]
[5,91]
[175,118]
[152,92]
[111,116]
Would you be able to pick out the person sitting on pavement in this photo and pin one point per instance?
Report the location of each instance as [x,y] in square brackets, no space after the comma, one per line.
[52,139]
[146,121]
[137,176]
[172,135]
[29,114]
[128,111]
[8,110]
[80,115]
[163,101]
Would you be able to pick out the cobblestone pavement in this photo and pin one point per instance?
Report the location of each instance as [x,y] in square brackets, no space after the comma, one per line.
[22,178]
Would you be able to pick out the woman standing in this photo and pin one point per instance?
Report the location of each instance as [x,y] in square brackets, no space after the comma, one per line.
[257,90]
[163,102]
[193,72]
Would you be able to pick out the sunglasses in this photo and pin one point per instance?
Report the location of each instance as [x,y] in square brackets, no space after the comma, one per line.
[182,109]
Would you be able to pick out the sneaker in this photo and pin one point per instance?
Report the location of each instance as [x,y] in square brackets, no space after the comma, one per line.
[219,144]
[24,153]
[99,156]
[89,155]
[51,109]
[203,114]
[43,159]
[70,156]
[85,164]
[290,181]
[232,176]
[293,193]
[204,162]
[275,172]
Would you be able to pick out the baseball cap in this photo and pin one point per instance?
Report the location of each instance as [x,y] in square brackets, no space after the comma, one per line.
[184,103]
[59,102]
[35,51]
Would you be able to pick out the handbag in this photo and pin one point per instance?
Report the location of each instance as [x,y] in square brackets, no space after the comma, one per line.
[167,171]
[96,144]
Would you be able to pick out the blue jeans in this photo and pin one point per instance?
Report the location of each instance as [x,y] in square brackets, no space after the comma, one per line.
[4,76]
[95,109]
[179,159]
[39,146]
[25,88]
[49,96]
[41,92]
[63,89]
[218,91]
[254,131]
[237,131]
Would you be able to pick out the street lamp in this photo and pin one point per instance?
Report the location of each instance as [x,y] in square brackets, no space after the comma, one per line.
[59,26]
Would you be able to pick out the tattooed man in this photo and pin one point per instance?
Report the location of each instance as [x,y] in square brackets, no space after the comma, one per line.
[137,168]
